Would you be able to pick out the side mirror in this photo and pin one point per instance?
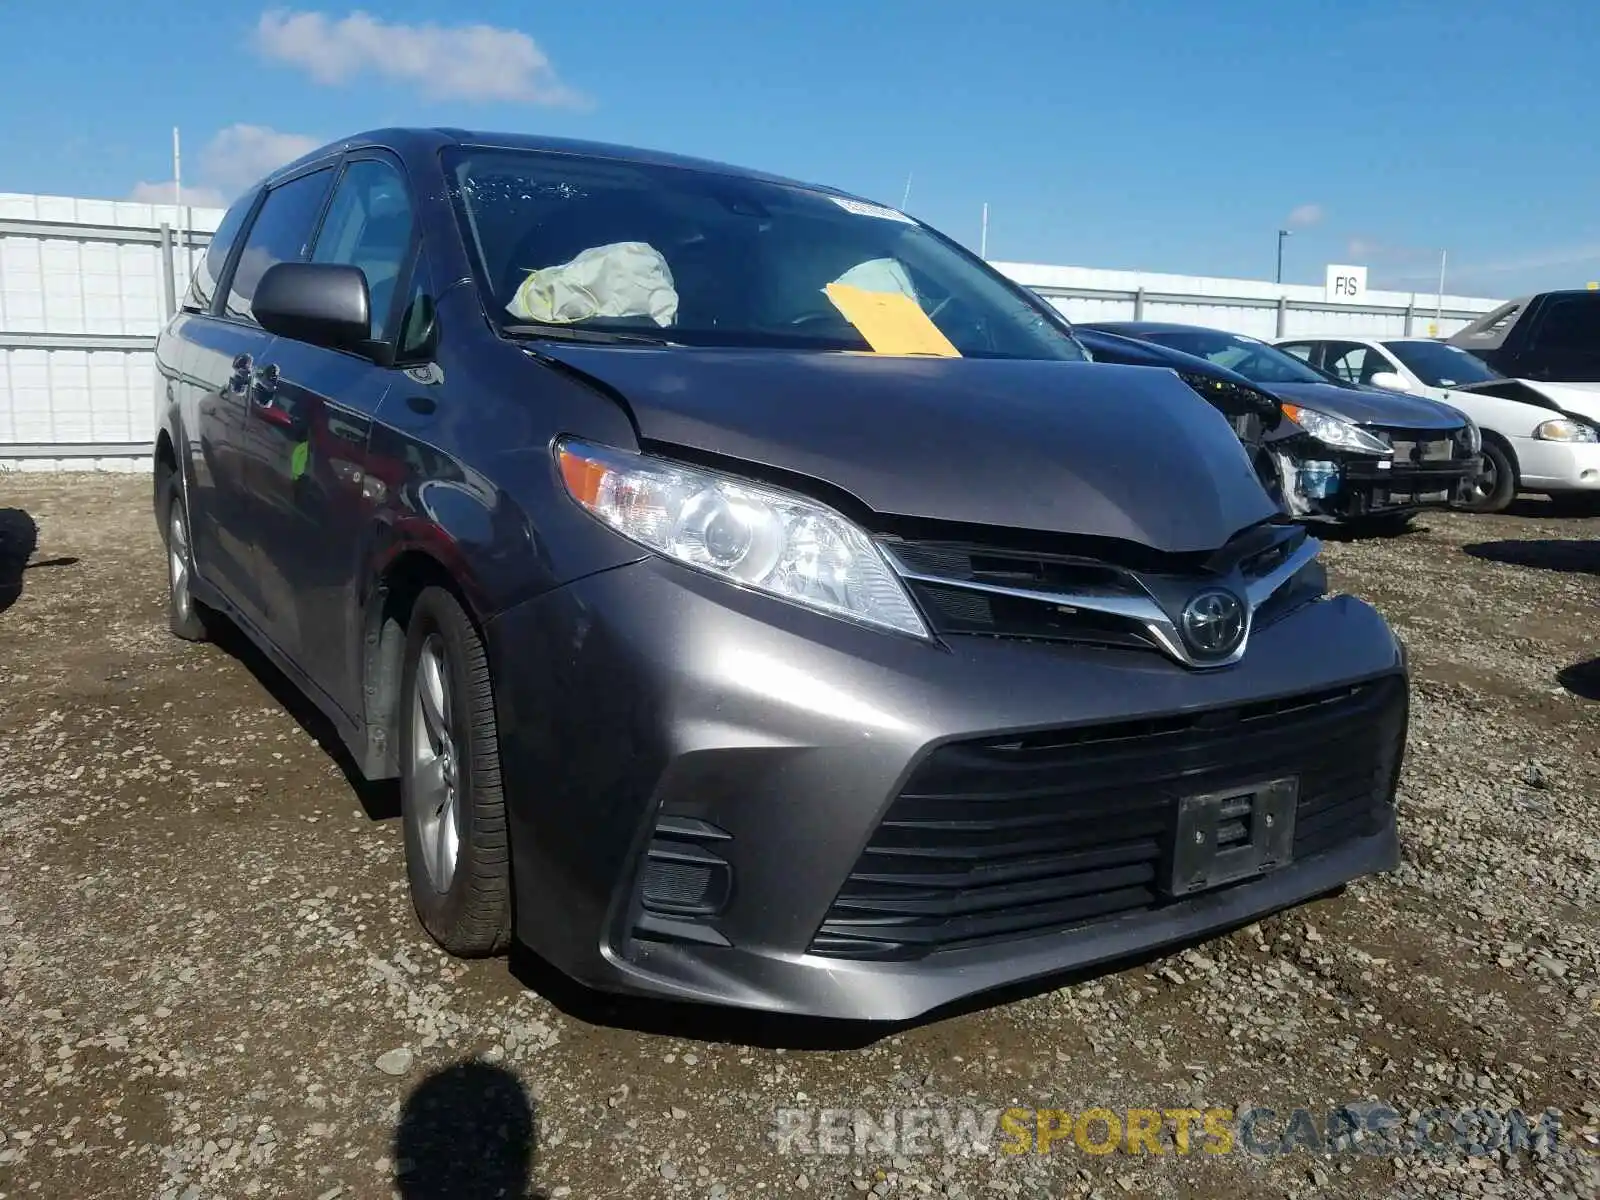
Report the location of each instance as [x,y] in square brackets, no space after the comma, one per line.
[325,304]
[1391,380]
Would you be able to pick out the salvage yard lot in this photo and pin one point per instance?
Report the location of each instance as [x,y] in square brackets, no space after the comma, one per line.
[212,983]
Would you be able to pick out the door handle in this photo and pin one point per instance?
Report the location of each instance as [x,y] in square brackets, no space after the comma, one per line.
[240,379]
[264,397]
[264,383]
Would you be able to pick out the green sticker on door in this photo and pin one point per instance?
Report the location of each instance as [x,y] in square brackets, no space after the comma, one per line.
[297,460]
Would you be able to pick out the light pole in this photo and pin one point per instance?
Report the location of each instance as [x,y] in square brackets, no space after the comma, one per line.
[1282,233]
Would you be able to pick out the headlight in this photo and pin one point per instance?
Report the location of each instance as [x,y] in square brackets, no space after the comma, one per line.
[1563,430]
[1331,431]
[1474,437]
[775,542]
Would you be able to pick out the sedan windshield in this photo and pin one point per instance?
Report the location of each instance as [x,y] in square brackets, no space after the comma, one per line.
[1442,366]
[1256,361]
[600,246]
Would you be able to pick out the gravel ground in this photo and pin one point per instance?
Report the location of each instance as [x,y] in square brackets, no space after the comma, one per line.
[212,983]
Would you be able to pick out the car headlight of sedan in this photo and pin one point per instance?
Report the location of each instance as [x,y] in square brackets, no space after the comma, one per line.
[1335,432]
[1565,430]
[1472,437]
[746,533]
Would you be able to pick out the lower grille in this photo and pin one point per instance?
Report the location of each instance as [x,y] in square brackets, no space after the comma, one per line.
[1007,838]
[1370,489]
[685,882]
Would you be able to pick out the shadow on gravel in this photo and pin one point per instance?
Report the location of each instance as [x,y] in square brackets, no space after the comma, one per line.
[738,1027]
[1375,529]
[1581,679]
[380,800]
[1573,555]
[466,1131]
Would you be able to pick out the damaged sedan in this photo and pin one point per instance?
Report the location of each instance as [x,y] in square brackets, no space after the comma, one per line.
[1358,455]
[758,598]
[1252,412]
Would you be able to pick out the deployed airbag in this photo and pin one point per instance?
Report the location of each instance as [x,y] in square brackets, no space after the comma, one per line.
[623,279]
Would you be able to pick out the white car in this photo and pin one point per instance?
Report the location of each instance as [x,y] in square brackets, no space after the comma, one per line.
[1537,436]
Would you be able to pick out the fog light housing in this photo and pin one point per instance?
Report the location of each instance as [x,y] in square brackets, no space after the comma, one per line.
[685,883]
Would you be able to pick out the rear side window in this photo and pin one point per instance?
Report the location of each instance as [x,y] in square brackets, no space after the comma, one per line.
[282,233]
[369,226]
[1570,326]
[1353,363]
[204,284]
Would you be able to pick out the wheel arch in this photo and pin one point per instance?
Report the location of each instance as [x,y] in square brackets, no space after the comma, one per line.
[398,576]
[164,467]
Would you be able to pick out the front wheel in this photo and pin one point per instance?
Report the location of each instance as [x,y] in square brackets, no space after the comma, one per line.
[1494,489]
[451,803]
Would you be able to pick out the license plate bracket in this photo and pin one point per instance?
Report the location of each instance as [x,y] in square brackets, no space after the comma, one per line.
[1228,835]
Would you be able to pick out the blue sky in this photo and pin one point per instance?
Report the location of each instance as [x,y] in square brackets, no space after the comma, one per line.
[1173,135]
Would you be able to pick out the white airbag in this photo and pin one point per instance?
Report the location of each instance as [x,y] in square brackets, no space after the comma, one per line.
[623,279]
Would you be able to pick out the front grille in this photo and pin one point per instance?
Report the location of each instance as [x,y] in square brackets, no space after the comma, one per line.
[1006,838]
[1072,597]
[1422,446]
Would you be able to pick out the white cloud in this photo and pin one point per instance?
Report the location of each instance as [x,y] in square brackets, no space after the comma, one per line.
[230,162]
[1304,216]
[241,154]
[162,193]
[473,62]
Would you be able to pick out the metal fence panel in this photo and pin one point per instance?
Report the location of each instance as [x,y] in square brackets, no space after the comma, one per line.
[85,286]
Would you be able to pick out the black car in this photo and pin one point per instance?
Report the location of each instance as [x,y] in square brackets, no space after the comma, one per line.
[1346,453]
[1551,336]
[759,599]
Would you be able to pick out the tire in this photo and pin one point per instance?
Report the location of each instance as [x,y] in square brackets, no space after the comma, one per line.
[1498,486]
[451,803]
[186,616]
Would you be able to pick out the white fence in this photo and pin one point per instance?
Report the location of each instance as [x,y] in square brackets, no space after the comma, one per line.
[1264,310]
[85,285]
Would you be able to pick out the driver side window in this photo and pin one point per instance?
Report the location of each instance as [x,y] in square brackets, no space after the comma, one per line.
[369,226]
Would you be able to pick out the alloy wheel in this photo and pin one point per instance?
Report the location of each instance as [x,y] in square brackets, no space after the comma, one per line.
[178,564]
[1487,482]
[434,765]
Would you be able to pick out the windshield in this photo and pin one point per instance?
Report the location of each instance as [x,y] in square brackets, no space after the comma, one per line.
[1439,365]
[1256,361]
[704,259]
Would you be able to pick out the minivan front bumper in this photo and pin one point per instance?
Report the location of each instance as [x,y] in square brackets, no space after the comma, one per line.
[711,794]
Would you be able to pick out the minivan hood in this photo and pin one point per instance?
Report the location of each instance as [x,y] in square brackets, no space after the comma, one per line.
[1060,447]
[1369,406]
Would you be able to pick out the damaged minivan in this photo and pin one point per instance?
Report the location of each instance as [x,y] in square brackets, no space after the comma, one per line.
[758,598]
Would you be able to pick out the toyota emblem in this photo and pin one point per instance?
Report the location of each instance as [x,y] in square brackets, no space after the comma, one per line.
[1213,623]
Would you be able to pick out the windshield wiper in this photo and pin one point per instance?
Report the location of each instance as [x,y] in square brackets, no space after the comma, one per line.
[572,333]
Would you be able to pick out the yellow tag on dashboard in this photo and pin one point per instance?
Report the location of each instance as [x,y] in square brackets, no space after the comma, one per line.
[891,322]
